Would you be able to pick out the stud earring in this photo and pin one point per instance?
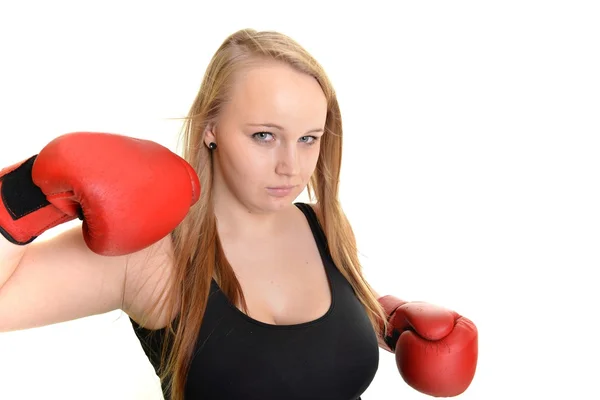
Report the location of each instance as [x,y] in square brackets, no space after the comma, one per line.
[212,145]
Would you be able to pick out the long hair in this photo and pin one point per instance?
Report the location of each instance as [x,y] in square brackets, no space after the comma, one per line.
[198,255]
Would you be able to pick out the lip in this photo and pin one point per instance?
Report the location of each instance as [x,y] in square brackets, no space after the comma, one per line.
[280,191]
[281,187]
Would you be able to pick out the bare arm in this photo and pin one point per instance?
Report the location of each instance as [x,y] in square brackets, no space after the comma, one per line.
[60,279]
[11,255]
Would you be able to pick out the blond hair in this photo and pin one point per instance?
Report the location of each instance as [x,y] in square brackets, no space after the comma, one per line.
[198,256]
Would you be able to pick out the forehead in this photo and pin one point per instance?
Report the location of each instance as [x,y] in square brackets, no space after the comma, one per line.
[275,92]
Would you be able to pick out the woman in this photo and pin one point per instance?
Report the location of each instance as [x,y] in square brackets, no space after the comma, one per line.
[245,294]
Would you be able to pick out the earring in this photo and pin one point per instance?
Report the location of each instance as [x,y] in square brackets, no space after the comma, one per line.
[212,145]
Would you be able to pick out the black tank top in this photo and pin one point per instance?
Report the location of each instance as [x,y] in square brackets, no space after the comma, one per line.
[334,357]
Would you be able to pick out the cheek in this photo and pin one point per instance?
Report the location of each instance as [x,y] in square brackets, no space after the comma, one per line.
[310,163]
[247,165]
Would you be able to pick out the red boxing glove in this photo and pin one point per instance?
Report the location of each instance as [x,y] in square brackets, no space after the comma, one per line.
[129,192]
[436,349]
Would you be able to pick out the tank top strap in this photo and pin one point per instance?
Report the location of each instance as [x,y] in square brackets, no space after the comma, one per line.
[316,228]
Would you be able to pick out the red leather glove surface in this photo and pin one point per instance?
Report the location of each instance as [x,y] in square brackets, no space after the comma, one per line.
[436,349]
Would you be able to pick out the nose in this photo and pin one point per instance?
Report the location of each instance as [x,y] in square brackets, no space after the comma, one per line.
[287,160]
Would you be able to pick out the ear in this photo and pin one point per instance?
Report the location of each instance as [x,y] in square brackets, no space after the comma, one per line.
[209,134]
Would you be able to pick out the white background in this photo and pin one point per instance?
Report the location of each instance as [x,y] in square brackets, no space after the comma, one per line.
[471,165]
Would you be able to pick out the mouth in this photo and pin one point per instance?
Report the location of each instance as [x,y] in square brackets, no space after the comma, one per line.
[280,191]
[281,187]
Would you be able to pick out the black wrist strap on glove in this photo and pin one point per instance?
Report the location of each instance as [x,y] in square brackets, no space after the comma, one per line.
[20,195]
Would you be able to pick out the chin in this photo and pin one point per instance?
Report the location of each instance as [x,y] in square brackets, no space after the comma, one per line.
[278,204]
[269,204]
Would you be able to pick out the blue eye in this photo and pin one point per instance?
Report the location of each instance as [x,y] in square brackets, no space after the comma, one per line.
[261,136]
[264,137]
[311,139]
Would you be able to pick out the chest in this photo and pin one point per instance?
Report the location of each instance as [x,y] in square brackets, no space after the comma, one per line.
[284,280]
[334,357]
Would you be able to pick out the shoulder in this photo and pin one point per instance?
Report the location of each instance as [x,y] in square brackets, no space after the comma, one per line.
[148,278]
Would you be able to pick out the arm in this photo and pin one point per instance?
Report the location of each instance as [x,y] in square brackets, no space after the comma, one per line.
[130,194]
[11,255]
[57,280]
[61,279]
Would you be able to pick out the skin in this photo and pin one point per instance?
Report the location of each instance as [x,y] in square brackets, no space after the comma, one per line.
[268,136]
[253,155]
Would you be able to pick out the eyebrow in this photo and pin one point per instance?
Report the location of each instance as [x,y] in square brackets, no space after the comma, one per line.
[272,125]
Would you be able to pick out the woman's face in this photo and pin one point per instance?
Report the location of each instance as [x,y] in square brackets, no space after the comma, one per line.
[268,136]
